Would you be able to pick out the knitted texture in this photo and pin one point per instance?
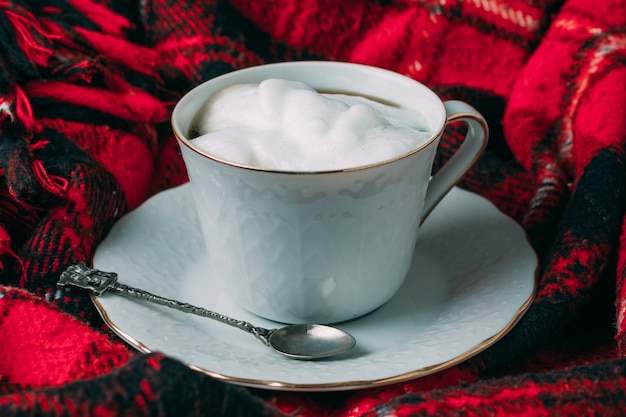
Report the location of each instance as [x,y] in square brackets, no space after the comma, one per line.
[86,89]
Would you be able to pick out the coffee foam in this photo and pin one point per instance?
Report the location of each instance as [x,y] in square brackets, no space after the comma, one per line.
[288,126]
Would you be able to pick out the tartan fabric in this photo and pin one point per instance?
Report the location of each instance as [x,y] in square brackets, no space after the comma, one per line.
[86,88]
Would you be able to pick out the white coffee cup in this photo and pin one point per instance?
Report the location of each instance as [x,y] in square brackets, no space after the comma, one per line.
[324,246]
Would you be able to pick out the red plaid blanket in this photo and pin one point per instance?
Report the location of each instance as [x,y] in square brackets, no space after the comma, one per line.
[86,87]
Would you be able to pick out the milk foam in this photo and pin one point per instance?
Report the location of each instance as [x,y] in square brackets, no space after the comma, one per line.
[288,126]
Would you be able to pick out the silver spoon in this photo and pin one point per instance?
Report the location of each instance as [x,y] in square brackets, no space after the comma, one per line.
[299,341]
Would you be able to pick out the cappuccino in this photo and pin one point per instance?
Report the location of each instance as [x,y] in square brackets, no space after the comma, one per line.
[288,126]
[304,238]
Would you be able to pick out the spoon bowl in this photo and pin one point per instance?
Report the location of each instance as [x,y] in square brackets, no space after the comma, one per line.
[311,341]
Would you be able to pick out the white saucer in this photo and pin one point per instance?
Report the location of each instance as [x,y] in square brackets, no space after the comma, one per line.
[473,277]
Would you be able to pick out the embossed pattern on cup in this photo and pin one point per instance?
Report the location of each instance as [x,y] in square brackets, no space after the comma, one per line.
[325,240]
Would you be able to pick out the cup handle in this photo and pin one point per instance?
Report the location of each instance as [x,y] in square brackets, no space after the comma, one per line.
[468,153]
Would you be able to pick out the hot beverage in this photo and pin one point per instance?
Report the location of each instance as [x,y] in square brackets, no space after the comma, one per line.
[310,194]
[288,126]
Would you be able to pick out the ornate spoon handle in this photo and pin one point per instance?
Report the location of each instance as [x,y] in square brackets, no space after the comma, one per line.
[98,282]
